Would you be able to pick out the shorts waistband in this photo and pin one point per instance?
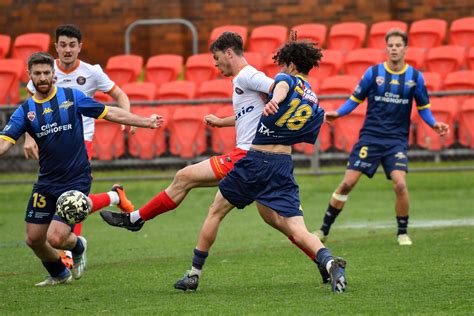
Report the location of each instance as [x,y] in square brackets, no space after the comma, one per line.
[269,155]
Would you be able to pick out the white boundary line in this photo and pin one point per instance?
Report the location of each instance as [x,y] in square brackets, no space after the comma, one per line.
[413,224]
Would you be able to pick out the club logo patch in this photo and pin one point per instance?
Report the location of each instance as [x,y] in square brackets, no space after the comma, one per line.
[81,80]
[31,116]
[400,155]
[380,80]
[395,82]
[410,83]
[239,91]
[47,111]
[66,104]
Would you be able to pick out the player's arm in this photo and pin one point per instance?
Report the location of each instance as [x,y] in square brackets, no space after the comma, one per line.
[122,101]
[13,130]
[279,94]
[5,145]
[215,121]
[118,115]
[30,148]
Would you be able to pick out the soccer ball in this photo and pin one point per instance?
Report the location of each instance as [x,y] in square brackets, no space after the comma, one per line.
[73,207]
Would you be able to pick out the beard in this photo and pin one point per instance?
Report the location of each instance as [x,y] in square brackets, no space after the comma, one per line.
[43,87]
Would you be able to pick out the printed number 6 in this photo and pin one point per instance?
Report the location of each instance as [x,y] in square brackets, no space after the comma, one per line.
[363,152]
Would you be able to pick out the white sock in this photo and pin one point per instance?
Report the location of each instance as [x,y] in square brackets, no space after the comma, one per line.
[114,197]
[135,216]
[195,271]
[328,265]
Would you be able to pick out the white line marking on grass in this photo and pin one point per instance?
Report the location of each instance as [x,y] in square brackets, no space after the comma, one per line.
[416,224]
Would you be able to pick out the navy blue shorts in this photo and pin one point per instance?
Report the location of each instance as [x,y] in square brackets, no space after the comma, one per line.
[266,178]
[42,203]
[367,156]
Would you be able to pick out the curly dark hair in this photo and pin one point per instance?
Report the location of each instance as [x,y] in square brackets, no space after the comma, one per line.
[304,54]
[228,40]
[68,30]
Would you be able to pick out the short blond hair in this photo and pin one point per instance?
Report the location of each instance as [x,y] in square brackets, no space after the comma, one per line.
[397,32]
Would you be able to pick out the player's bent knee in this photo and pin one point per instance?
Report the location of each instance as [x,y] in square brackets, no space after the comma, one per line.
[400,187]
[34,242]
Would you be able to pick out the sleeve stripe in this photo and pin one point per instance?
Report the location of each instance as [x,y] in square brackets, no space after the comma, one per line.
[424,106]
[104,113]
[111,89]
[353,98]
[8,139]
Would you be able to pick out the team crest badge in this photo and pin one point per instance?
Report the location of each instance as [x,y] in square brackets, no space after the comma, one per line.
[400,155]
[410,83]
[66,104]
[81,80]
[380,80]
[31,116]
[238,90]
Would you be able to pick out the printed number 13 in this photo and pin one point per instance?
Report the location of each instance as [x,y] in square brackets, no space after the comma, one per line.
[296,122]
[39,200]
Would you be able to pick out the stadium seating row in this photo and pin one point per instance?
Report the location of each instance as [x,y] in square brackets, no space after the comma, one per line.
[188,135]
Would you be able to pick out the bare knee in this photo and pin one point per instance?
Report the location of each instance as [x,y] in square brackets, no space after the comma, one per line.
[400,187]
[183,179]
[55,240]
[35,242]
[346,186]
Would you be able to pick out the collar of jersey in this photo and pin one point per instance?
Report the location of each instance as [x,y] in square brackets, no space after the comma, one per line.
[395,72]
[48,98]
[58,64]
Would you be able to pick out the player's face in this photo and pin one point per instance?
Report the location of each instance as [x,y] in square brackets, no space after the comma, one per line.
[222,62]
[68,49]
[396,49]
[42,77]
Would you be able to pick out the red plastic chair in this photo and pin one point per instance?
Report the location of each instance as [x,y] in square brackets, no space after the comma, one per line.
[444,110]
[27,44]
[433,81]
[379,30]
[267,39]
[445,59]
[163,68]
[176,90]
[415,57]
[459,80]
[103,97]
[239,29]
[148,143]
[200,68]
[270,68]
[329,65]
[223,139]
[346,128]
[10,72]
[461,32]
[342,84]
[254,59]
[314,82]
[313,32]
[466,123]
[215,89]
[347,36]
[124,68]
[5,41]
[427,33]
[357,61]
[470,59]
[188,131]
[140,91]
[108,142]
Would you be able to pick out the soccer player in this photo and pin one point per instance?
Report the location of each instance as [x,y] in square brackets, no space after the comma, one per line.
[390,88]
[53,117]
[265,174]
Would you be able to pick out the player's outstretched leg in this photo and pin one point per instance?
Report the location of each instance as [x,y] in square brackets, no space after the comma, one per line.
[121,220]
[124,204]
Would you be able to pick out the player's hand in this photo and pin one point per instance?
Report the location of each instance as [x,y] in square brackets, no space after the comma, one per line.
[270,108]
[156,121]
[441,128]
[212,120]
[330,116]
[30,149]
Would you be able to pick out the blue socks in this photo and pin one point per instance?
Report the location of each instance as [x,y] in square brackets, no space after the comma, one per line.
[55,268]
[329,218]
[323,256]
[199,258]
[402,222]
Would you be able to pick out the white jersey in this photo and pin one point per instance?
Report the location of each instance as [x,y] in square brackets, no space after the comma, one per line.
[85,77]
[248,103]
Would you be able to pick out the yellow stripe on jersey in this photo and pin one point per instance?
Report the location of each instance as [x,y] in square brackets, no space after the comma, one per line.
[395,72]
[104,113]
[353,98]
[55,89]
[8,139]
[423,107]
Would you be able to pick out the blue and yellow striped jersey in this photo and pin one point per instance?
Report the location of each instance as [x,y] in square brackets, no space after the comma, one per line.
[55,123]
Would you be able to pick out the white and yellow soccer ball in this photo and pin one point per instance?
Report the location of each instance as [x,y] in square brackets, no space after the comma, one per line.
[73,207]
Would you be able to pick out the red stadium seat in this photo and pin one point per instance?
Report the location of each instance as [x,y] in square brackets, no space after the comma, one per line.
[239,29]
[140,91]
[378,30]
[427,33]
[148,143]
[470,59]
[27,44]
[223,139]
[329,65]
[357,61]
[188,131]
[313,32]
[347,36]
[108,142]
[433,81]
[124,68]
[267,39]
[200,68]
[415,57]
[444,110]
[10,72]
[163,68]
[270,68]
[314,82]
[461,32]
[342,84]
[459,80]
[466,123]
[5,41]
[176,90]
[254,59]
[215,89]
[445,59]
[346,128]
[103,97]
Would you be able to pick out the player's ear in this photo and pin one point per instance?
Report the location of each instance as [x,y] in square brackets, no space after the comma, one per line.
[80,47]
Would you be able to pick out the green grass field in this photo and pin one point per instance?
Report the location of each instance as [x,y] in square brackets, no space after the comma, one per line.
[252,269]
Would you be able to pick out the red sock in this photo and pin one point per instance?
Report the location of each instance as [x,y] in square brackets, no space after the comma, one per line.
[159,204]
[77,229]
[312,256]
[99,201]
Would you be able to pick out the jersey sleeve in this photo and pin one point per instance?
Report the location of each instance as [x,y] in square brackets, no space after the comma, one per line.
[362,89]
[421,94]
[88,106]
[282,77]
[102,81]
[15,127]
[258,81]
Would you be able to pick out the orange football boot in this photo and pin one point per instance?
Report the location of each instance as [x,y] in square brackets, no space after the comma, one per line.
[125,204]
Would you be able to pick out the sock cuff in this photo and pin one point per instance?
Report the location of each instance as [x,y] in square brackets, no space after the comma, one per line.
[323,256]
[201,254]
[334,210]
[167,201]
